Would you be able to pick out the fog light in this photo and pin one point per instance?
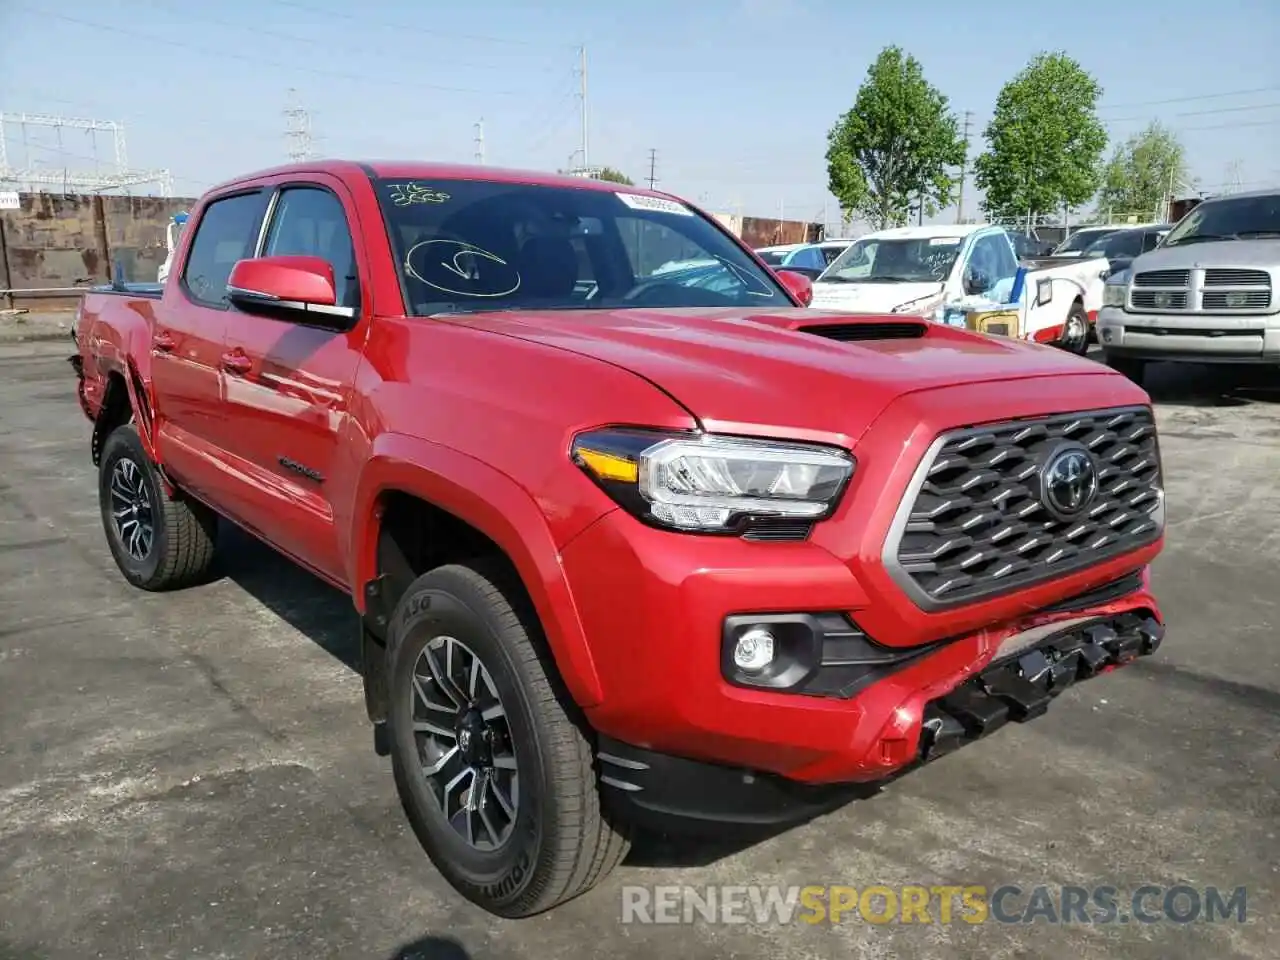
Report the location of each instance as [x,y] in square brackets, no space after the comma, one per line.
[754,650]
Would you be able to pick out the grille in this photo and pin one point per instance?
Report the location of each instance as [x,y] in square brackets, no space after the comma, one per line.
[1163,278]
[1219,277]
[848,332]
[1236,299]
[1159,299]
[976,527]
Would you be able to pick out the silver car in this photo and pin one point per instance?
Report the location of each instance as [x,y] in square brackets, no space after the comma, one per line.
[1206,294]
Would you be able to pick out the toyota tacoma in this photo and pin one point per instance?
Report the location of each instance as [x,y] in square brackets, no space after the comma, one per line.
[625,550]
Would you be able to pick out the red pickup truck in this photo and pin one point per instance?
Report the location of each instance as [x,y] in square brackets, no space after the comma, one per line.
[634,535]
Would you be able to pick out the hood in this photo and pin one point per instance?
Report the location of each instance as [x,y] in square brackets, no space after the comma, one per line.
[868,297]
[1259,254]
[755,372]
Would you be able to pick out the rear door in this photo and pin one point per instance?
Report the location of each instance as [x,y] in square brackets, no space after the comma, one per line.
[288,384]
[187,334]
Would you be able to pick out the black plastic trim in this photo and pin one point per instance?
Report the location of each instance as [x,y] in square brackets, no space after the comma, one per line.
[816,654]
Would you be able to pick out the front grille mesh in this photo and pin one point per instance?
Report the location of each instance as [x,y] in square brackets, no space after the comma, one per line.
[1231,276]
[1236,300]
[1150,300]
[977,527]
[1163,278]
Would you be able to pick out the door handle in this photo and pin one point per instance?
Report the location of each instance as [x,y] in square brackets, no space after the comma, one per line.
[236,361]
[163,341]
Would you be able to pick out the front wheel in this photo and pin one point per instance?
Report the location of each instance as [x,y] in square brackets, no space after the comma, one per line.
[1075,332]
[158,542]
[494,769]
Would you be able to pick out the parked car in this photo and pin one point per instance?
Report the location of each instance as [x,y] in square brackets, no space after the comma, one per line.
[624,549]
[809,259]
[1206,294]
[1120,248]
[1027,246]
[1076,243]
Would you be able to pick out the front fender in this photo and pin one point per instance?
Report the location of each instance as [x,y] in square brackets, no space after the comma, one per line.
[499,508]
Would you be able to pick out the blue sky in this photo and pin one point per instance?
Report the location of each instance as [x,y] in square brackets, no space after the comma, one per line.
[736,96]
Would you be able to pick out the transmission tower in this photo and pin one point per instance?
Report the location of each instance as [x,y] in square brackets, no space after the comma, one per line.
[480,140]
[1235,181]
[653,164]
[300,145]
[46,164]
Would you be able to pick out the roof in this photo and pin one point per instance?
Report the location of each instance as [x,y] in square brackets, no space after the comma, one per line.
[782,247]
[931,230]
[420,170]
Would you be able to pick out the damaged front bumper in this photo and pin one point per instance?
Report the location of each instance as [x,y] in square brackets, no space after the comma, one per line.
[1020,687]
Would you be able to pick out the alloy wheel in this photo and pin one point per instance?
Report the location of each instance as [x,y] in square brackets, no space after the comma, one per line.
[132,513]
[464,743]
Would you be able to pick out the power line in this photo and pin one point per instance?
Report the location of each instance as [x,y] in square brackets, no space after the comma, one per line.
[1192,99]
[259,61]
[365,21]
[1236,126]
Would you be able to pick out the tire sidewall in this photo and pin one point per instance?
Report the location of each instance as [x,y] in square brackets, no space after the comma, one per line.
[1078,345]
[489,878]
[125,444]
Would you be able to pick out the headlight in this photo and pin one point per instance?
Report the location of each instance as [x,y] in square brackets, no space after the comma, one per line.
[713,484]
[1113,294]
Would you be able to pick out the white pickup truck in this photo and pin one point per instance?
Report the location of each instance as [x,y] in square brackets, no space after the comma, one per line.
[942,272]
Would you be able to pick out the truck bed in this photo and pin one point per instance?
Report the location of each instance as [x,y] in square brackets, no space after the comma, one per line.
[148,291]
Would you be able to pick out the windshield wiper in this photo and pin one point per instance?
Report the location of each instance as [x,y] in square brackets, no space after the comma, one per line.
[1200,238]
[894,278]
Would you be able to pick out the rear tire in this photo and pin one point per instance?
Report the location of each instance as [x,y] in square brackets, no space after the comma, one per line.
[1135,370]
[467,666]
[158,542]
[1075,332]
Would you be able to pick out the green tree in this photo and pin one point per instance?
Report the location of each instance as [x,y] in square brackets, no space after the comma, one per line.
[896,147]
[614,176]
[1045,141]
[1143,171]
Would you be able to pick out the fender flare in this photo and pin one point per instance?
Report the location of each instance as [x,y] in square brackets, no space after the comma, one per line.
[494,504]
[125,364]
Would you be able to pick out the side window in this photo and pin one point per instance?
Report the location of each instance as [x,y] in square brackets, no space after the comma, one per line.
[813,259]
[1150,239]
[226,233]
[1004,258]
[830,253]
[310,221]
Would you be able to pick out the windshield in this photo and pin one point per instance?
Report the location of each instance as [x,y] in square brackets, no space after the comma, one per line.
[896,260]
[1080,241]
[476,245]
[1232,218]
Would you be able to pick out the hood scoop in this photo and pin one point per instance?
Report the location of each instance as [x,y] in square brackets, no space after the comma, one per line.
[869,330]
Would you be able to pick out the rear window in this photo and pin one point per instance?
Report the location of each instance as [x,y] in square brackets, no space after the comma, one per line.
[476,245]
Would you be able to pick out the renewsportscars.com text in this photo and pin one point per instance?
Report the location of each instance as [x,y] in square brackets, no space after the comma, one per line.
[936,904]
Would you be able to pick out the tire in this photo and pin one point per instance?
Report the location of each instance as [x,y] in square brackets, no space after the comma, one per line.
[557,842]
[1075,333]
[183,533]
[1135,370]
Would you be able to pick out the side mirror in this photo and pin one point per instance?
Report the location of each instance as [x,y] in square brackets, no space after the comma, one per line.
[299,288]
[798,285]
[975,282]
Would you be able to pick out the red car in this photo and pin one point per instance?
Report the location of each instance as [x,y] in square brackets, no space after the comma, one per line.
[624,548]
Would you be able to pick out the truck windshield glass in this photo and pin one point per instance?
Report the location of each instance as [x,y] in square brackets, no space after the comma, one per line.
[1233,218]
[898,260]
[466,246]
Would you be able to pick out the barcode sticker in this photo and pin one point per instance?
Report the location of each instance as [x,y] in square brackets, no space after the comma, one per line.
[637,201]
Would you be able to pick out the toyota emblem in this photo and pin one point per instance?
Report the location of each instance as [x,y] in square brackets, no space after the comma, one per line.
[1068,481]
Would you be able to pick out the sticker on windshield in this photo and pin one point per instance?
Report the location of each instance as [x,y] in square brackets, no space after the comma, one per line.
[944,241]
[637,201]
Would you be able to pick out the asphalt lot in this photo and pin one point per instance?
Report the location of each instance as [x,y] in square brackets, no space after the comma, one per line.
[192,776]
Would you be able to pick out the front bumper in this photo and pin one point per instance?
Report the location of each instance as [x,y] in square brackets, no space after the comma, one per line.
[664,791]
[1199,338]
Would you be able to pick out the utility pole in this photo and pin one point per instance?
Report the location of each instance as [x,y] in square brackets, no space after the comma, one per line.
[480,141]
[582,94]
[653,162]
[298,130]
[964,167]
[920,209]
